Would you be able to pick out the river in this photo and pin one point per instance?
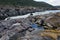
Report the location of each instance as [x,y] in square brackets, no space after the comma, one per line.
[34,14]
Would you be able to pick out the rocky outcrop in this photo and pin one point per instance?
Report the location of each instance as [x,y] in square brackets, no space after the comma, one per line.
[54,20]
[11,27]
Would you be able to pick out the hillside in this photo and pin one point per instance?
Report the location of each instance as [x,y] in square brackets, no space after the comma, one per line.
[26,3]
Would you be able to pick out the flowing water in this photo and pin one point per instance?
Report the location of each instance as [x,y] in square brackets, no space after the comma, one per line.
[34,14]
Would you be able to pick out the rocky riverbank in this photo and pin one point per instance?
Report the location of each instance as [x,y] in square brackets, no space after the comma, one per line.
[8,11]
[20,29]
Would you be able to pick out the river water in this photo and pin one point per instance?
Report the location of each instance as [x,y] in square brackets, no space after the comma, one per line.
[34,14]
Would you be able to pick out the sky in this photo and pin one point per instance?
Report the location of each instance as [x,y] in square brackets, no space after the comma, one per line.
[52,2]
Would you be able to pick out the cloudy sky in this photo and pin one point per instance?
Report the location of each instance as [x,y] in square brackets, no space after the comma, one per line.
[52,2]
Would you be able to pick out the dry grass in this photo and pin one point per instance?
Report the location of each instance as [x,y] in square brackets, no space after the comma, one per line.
[51,33]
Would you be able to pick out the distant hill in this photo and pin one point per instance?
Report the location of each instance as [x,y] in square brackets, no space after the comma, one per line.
[27,3]
[58,7]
